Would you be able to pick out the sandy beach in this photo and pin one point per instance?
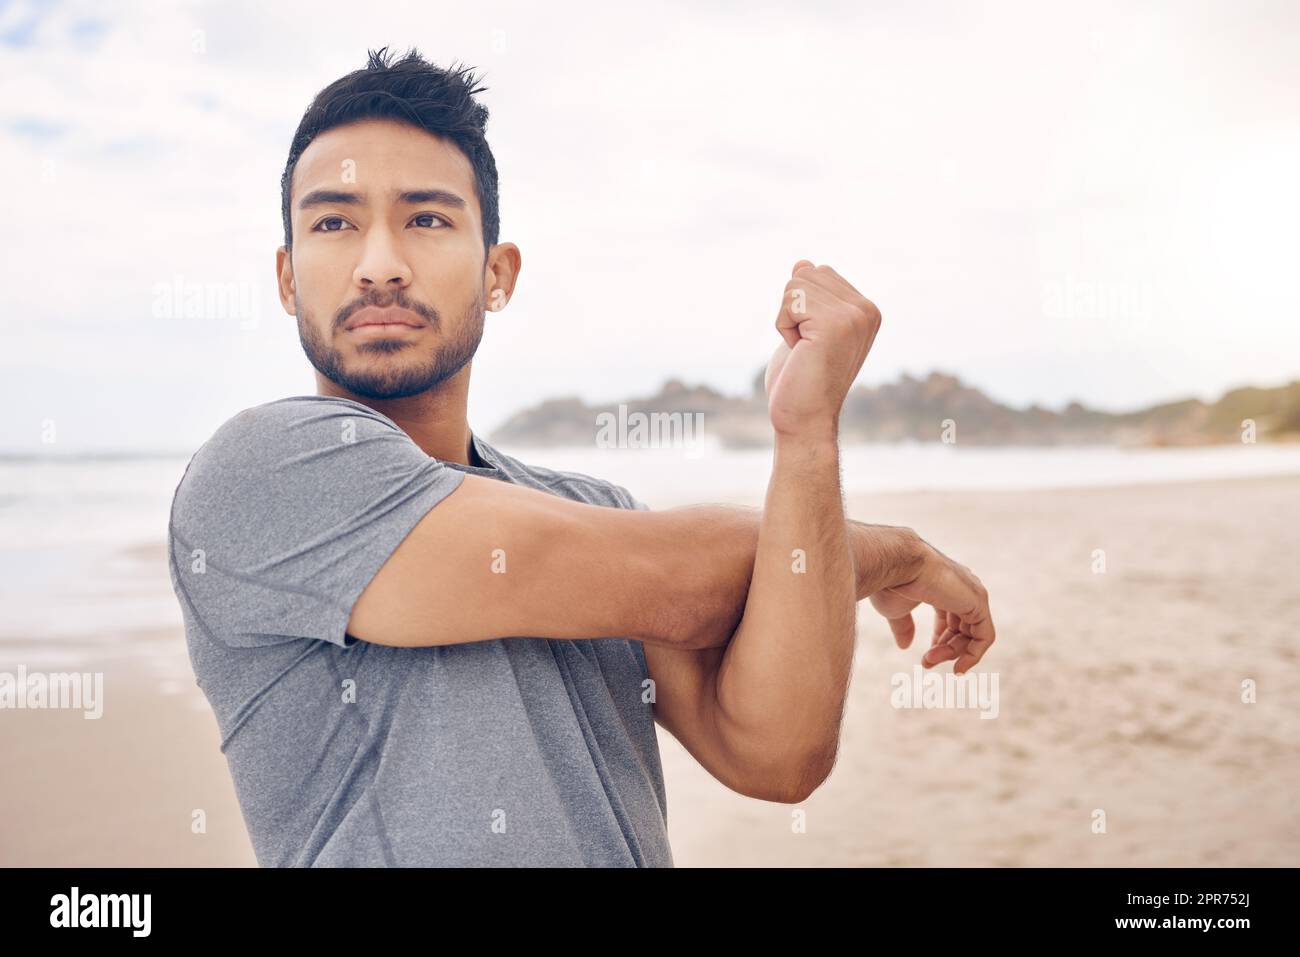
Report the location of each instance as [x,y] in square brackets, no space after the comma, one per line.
[1119,691]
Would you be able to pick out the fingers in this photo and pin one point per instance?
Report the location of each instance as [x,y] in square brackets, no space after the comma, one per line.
[973,618]
[944,586]
[904,630]
[978,627]
[962,645]
[832,282]
[940,636]
[940,653]
[970,653]
[954,647]
[940,626]
[896,610]
[963,624]
[827,288]
[814,306]
[787,325]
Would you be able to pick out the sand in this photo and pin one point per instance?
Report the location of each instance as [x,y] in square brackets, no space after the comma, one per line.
[1118,692]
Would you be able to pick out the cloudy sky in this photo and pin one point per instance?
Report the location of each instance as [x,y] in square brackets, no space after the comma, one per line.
[1051,201]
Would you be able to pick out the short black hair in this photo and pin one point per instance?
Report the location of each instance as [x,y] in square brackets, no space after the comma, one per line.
[410,90]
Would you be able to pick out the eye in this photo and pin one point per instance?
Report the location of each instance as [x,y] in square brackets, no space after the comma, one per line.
[329,219]
[423,216]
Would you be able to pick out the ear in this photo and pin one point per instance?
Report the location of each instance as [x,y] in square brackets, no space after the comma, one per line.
[284,281]
[500,274]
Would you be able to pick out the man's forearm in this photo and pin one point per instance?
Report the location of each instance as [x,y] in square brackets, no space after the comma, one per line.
[708,563]
[780,686]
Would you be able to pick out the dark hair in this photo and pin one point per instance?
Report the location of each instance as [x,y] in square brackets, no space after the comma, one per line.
[412,91]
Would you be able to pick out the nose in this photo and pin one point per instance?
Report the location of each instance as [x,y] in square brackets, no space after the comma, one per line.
[381,264]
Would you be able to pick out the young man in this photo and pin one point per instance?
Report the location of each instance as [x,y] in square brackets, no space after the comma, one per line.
[420,650]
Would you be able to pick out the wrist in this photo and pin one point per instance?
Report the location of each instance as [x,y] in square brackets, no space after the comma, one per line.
[812,444]
[819,431]
[885,556]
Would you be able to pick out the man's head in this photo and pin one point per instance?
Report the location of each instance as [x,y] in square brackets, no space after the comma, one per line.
[389,200]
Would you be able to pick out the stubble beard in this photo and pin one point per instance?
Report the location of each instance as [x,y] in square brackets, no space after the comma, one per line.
[400,377]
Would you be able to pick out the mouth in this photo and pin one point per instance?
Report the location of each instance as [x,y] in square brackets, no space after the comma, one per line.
[371,321]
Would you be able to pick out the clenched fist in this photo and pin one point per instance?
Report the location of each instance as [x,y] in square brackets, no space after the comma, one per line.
[827,328]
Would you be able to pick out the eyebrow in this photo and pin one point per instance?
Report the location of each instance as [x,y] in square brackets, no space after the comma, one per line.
[407,197]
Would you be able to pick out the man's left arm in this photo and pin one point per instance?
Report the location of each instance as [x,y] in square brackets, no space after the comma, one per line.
[763,713]
[685,680]
[771,712]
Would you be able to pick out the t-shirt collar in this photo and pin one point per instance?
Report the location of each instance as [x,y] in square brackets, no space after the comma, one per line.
[484,453]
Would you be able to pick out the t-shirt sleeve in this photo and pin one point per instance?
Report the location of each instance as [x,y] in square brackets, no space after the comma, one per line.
[630,500]
[286,514]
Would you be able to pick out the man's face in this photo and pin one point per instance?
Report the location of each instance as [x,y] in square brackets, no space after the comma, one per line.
[386,227]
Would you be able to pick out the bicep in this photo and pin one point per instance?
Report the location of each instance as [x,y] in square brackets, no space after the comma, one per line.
[685,706]
[497,560]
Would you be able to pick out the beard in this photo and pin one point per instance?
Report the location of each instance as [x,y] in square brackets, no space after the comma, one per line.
[407,373]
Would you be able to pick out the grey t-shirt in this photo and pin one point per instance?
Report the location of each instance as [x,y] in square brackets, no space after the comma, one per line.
[515,751]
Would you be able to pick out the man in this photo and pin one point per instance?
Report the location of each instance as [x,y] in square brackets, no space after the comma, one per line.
[421,651]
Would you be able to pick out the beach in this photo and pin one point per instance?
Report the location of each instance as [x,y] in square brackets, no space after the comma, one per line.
[1128,617]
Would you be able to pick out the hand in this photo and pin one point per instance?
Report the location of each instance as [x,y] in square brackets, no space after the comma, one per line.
[827,328]
[963,623]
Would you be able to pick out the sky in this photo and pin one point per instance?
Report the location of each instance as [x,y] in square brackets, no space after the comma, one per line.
[1054,202]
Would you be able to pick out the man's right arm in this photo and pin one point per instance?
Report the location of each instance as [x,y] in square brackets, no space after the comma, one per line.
[497,560]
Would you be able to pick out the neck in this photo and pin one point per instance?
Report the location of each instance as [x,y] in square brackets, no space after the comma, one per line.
[435,420]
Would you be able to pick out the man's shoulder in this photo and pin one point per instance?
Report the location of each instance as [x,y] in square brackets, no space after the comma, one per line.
[286,446]
[258,436]
[293,413]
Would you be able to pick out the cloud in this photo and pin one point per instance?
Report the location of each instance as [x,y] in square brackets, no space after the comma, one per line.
[1054,203]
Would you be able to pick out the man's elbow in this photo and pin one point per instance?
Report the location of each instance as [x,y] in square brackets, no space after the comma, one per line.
[793,783]
[811,776]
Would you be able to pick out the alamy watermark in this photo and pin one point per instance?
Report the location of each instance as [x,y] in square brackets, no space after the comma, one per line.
[77,691]
[218,301]
[648,430]
[932,689]
[75,909]
[1074,298]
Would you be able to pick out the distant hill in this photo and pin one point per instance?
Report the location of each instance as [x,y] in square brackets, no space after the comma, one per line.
[916,409]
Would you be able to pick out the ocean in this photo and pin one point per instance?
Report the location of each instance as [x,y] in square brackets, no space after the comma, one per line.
[82,567]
